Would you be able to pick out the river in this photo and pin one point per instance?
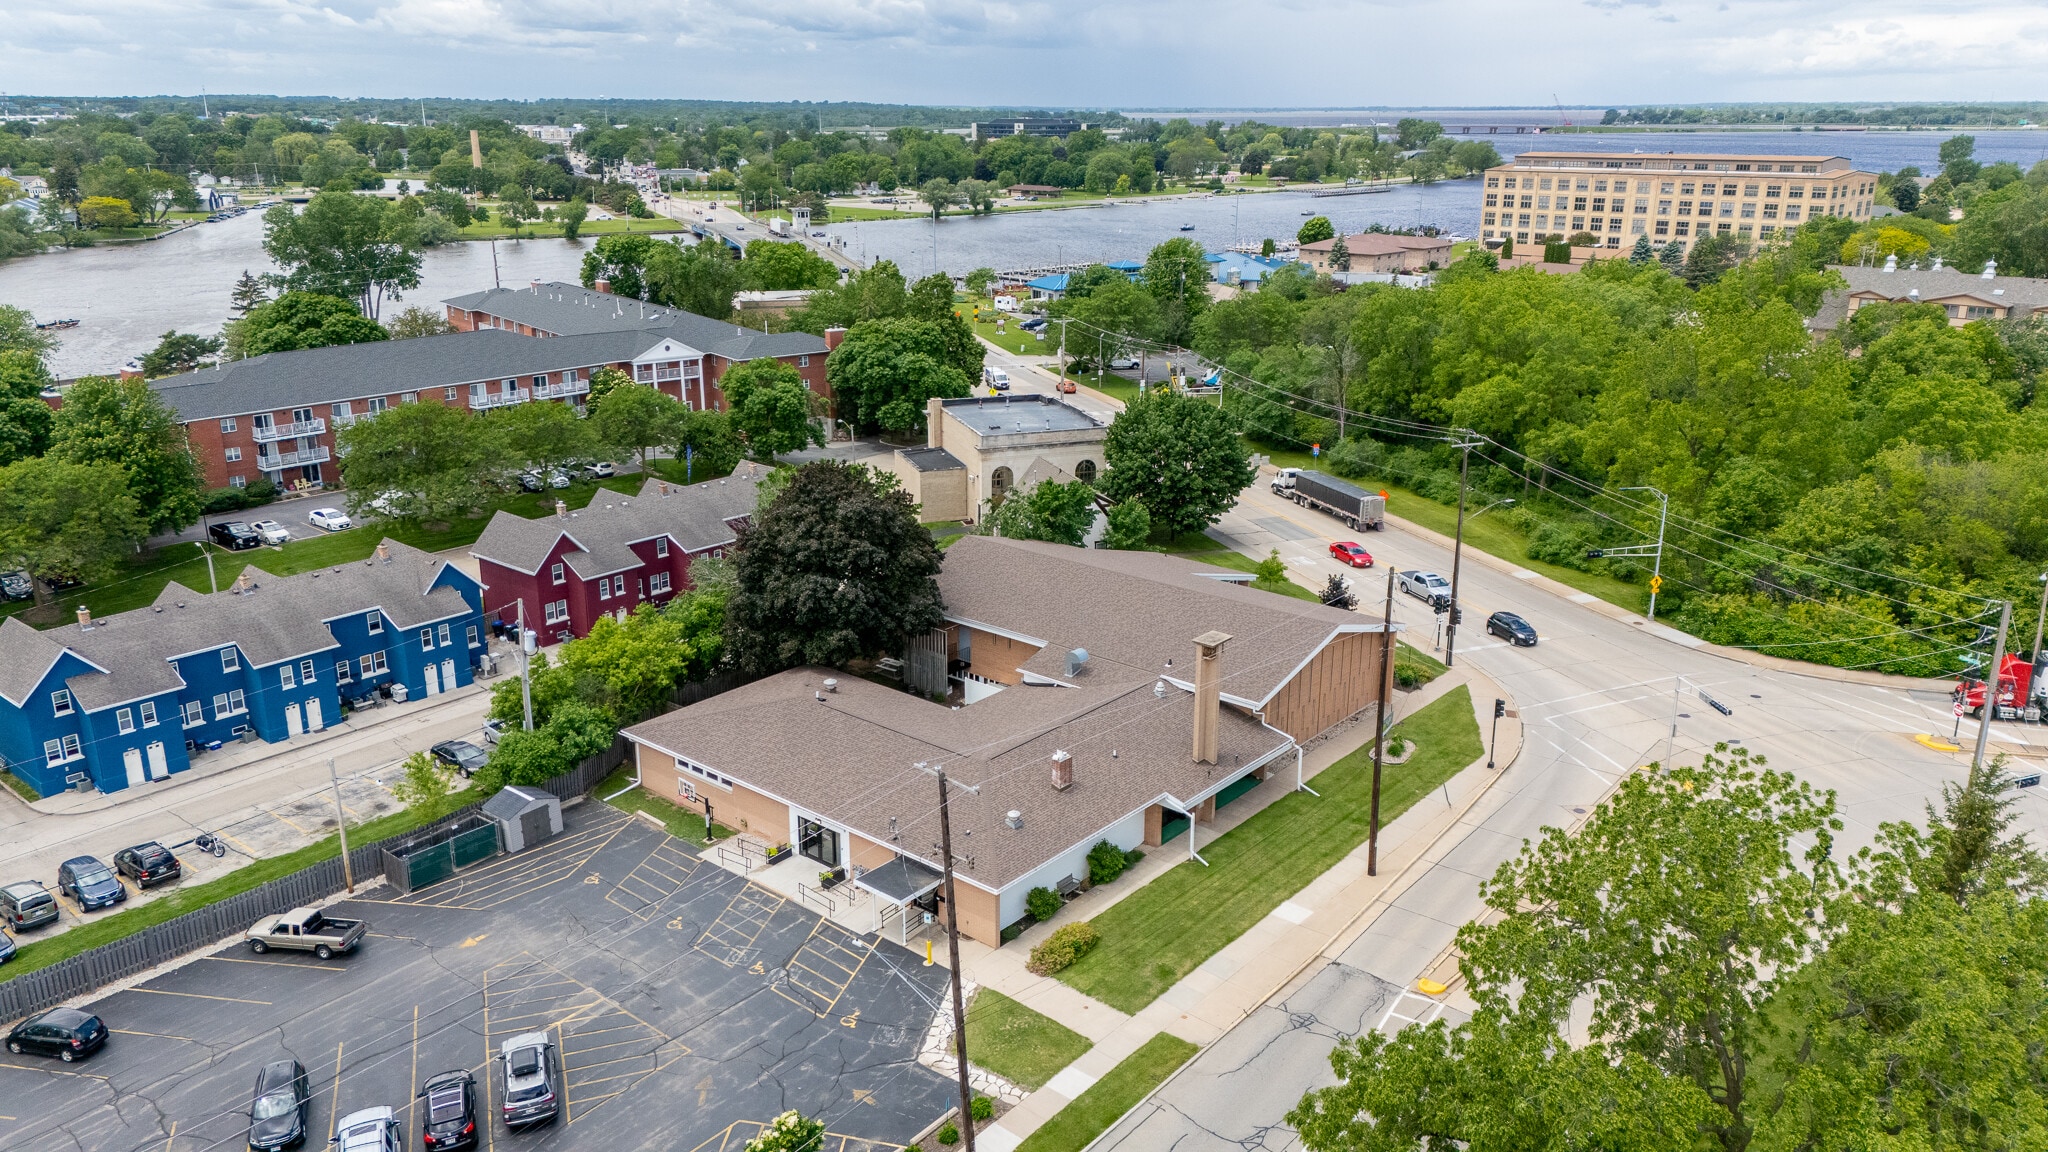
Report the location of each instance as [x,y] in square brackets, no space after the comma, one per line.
[127,295]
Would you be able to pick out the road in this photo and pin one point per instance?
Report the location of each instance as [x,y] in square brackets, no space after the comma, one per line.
[1597,698]
[736,228]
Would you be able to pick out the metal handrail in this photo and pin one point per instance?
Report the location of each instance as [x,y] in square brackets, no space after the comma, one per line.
[806,892]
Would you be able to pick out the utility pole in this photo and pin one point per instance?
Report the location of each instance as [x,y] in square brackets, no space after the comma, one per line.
[348,877]
[953,950]
[525,661]
[1379,738]
[1656,565]
[2035,655]
[1458,548]
[1991,683]
[1062,321]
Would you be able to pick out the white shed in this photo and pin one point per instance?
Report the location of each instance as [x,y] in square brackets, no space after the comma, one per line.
[525,816]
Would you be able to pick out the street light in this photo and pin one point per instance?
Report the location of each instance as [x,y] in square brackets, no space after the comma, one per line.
[1492,506]
[1657,565]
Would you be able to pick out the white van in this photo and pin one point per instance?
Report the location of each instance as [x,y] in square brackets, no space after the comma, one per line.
[996,378]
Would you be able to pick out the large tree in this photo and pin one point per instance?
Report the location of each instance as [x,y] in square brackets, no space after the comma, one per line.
[834,568]
[422,462]
[25,418]
[346,245]
[874,293]
[124,424]
[621,262]
[885,370]
[179,352]
[1180,456]
[62,519]
[299,320]
[699,278]
[774,266]
[706,445]
[542,435]
[1060,513]
[636,418]
[770,407]
[1177,275]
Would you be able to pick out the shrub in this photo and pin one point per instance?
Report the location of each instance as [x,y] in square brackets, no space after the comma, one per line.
[789,1132]
[950,1134]
[219,500]
[983,1108]
[913,1148]
[1105,862]
[1356,458]
[1042,903]
[1561,544]
[1068,943]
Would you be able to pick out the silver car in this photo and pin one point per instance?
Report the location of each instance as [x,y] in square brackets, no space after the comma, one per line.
[530,1096]
[369,1130]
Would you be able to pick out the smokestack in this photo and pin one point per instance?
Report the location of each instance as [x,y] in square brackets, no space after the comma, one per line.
[1062,771]
[934,434]
[561,510]
[1208,693]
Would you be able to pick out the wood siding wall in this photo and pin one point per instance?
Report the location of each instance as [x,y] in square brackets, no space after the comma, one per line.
[1339,683]
[997,657]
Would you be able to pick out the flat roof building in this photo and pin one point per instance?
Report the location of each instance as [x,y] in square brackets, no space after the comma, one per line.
[978,448]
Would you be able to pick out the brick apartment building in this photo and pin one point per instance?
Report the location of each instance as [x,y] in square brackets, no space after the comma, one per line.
[275,416]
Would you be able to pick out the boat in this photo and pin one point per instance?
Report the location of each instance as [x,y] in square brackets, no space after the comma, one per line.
[1187,227]
[56,324]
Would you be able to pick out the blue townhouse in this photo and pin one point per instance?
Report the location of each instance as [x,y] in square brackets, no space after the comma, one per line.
[128,699]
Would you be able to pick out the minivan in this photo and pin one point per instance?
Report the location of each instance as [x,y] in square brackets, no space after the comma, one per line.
[27,904]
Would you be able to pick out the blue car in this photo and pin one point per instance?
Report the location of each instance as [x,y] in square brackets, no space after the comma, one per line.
[91,883]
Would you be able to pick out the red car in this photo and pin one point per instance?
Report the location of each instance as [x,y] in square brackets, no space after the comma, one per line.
[1345,552]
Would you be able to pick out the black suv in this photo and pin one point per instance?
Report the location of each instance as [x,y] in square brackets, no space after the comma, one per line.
[451,1111]
[235,536]
[148,864]
[91,883]
[27,904]
[277,1112]
[65,1033]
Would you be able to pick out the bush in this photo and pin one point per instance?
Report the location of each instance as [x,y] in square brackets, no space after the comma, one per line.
[983,1108]
[1105,862]
[949,1135]
[789,1132]
[1068,943]
[259,492]
[1042,903]
[1356,458]
[1561,544]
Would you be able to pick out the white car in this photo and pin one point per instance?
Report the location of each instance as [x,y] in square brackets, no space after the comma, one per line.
[329,519]
[1426,586]
[271,532]
[369,1130]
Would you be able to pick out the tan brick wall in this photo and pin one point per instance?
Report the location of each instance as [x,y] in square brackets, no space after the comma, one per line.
[979,914]
[742,808]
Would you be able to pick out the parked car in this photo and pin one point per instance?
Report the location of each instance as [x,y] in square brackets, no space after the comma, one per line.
[460,755]
[493,728]
[368,1130]
[234,536]
[148,864]
[278,1113]
[532,482]
[1426,586]
[15,586]
[450,1121]
[1033,324]
[92,884]
[558,478]
[271,532]
[1347,552]
[27,904]
[1511,628]
[601,469]
[1124,363]
[529,1080]
[306,930]
[66,1033]
[6,947]
[329,519]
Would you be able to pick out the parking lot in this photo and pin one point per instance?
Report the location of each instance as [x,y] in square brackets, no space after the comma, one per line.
[688,1006]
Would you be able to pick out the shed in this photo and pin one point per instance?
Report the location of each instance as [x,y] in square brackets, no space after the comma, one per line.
[525,816]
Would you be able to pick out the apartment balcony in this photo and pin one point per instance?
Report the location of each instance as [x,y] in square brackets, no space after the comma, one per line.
[276,462]
[313,427]
[500,399]
[562,391]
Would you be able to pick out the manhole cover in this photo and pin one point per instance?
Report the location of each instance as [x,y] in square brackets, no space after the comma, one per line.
[1754,696]
[1580,811]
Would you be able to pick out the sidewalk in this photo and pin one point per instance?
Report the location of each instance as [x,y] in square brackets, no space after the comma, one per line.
[1311,926]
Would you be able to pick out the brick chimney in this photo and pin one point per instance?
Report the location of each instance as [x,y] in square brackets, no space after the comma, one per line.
[1208,693]
[383,552]
[84,618]
[602,285]
[562,507]
[1062,771]
[832,338]
[934,432]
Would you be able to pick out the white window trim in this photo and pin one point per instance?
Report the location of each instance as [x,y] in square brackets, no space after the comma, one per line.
[124,721]
[149,713]
[426,639]
[443,637]
[287,677]
[307,671]
[376,623]
[556,574]
[193,714]
[61,703]
[230,660]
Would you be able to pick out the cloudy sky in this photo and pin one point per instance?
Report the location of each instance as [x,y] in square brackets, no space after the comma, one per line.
[1078,53]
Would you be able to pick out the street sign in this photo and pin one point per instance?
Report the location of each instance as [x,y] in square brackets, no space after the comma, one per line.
[1958,709]
[1656,584]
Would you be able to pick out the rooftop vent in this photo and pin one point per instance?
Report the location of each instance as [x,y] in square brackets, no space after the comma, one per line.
[820,696]
[1936,266]
[1891,262]
[1062,771]
[1912,293]
[1075,660]
[831,684]
[1015,820]
[1990,269]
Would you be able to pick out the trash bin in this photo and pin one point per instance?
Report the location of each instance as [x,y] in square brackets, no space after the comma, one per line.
[398,693]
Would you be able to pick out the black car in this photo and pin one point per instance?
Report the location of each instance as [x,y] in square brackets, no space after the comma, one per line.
[91,883]
[27,904]
[235,536]
[148,864]
[278,1111]
[460,755]
[451,1111]
[1511,628]
[65,1033]
[6,947]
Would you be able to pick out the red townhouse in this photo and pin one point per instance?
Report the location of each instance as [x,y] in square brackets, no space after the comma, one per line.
[567,570]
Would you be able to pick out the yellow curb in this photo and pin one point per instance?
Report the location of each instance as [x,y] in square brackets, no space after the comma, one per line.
[1429,987]
[1937,743]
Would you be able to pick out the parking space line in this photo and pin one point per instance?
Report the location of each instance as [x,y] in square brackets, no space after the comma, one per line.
[829,948]
[661,875]
[276,964]
[494,885]
[201,996]
[568,1104]
[286,821]
[336,1105]
[172,1137]
[155,1035]
[745,917]
[51,1071]
[413,1103]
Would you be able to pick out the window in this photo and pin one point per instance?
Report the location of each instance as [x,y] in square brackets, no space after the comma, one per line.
[1749,211]
[1489,217]
[661,546]
[287,678]
[238,481]
[340,411]
[1663,207]
[1685,189]
[1579,223]
[220,705]
[555,573]
[1770,211]
[230,660]
[1578,203]
[53,752]
[803,361]
[643,373]
[149,713]
[426,639]
[375,620]
[1767,229]
[1666,188]
[195,713]
[60,702]
[1528,201]
[444,635]
[1600,204]
[472,635]
[1635,227]
[124,720]
[1796,191]
[306,671]
[1792,212]
[1544,202]
[658,583]
[1085,471]
[1663,227]
[1685,207]
[71,748]
[374,405]
[556,611]
[1771,191]
[374,664]
[1494,182]
[344,672]
[1492,201]
[231,454]
[1683,225]
[227,424]
[449,393]
[1546,183]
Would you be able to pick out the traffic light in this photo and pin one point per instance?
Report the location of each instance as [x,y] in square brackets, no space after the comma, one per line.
[1457,614]
[1500,708]
[1594,553]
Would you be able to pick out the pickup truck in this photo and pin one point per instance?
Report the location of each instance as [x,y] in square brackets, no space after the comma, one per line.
[307,930]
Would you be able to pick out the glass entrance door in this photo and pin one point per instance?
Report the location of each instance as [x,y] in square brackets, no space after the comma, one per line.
[818,842]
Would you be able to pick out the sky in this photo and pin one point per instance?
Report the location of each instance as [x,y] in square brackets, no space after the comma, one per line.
[1047,53]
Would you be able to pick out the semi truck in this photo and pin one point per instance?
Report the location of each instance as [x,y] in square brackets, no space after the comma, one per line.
[2015,681]
[1356,507]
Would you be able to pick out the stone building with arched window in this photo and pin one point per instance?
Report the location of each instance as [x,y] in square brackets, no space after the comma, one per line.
[981,448]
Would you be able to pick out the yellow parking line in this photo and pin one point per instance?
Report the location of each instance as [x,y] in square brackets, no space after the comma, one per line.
[239,845]
[202,996]
[52,1071]
[598,1048]
[273,963]
[567,1116]
[157,1035]
[173,1136]
[286,821]
[336,1106]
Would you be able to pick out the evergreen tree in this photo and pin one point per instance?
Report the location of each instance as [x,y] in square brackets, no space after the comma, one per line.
[1642,253]
[1672,256]
[248,294]
[1340,255]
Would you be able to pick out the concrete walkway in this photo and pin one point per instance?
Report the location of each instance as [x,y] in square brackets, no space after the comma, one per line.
[1310,926]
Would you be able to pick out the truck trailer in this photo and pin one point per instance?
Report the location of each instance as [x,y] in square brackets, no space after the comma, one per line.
[1356,507]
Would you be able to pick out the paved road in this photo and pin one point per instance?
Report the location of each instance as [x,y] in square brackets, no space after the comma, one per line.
[1596,699]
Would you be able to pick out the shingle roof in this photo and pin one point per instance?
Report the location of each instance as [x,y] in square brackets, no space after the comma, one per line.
[694,516]
[570,309]
[29,656]
[2024,295]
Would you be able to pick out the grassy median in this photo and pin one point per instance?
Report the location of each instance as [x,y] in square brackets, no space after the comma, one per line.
[1089,1115]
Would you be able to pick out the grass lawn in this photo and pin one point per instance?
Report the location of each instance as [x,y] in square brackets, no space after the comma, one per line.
[1072,1128]
[1022,1046]
[1413,667]
[1239,562]
[20,787]
[849,213]
[1160,933]
[1118,388]
[682,823]
[549,229]
[182,899]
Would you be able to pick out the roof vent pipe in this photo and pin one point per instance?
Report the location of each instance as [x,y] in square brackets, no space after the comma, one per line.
[1015,820]
[831,685]
[1062,771]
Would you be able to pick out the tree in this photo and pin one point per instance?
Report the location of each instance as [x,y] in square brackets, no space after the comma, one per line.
[938,194]
[1412,132]
[179,352]
[1060,513]
[422,462]
[1337,593]
[620,261]
[124,424]
[699,278]
[424,788]
[602,381]
[515,205]
[1315,230]
[541,435]
[1123,310]
[873,293]
[248,295]
[25,419]
[345,245]
[636,417]
[1672,256]
[571,217]
[107,212]
[1905,193]
[707,445]
[1267,247]
[1180,456]
[1642,253]
[64,519]
[298,320]
[885,370]
[1129,527]
[1340,255]
[1957,161]
[771,266]
[834,568]
[1177,275]
[415,322]
[978,195]
[980,281]
[770,407]
[1676,913]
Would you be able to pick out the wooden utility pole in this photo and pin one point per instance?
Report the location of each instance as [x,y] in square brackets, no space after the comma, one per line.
[1458,550]
[1991,687]
[348,877]
[953,950]
[1379,737]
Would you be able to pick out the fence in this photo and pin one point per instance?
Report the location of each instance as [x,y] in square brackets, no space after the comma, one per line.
[436,855]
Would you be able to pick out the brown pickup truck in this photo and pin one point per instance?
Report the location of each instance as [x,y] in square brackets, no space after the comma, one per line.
[307,930]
